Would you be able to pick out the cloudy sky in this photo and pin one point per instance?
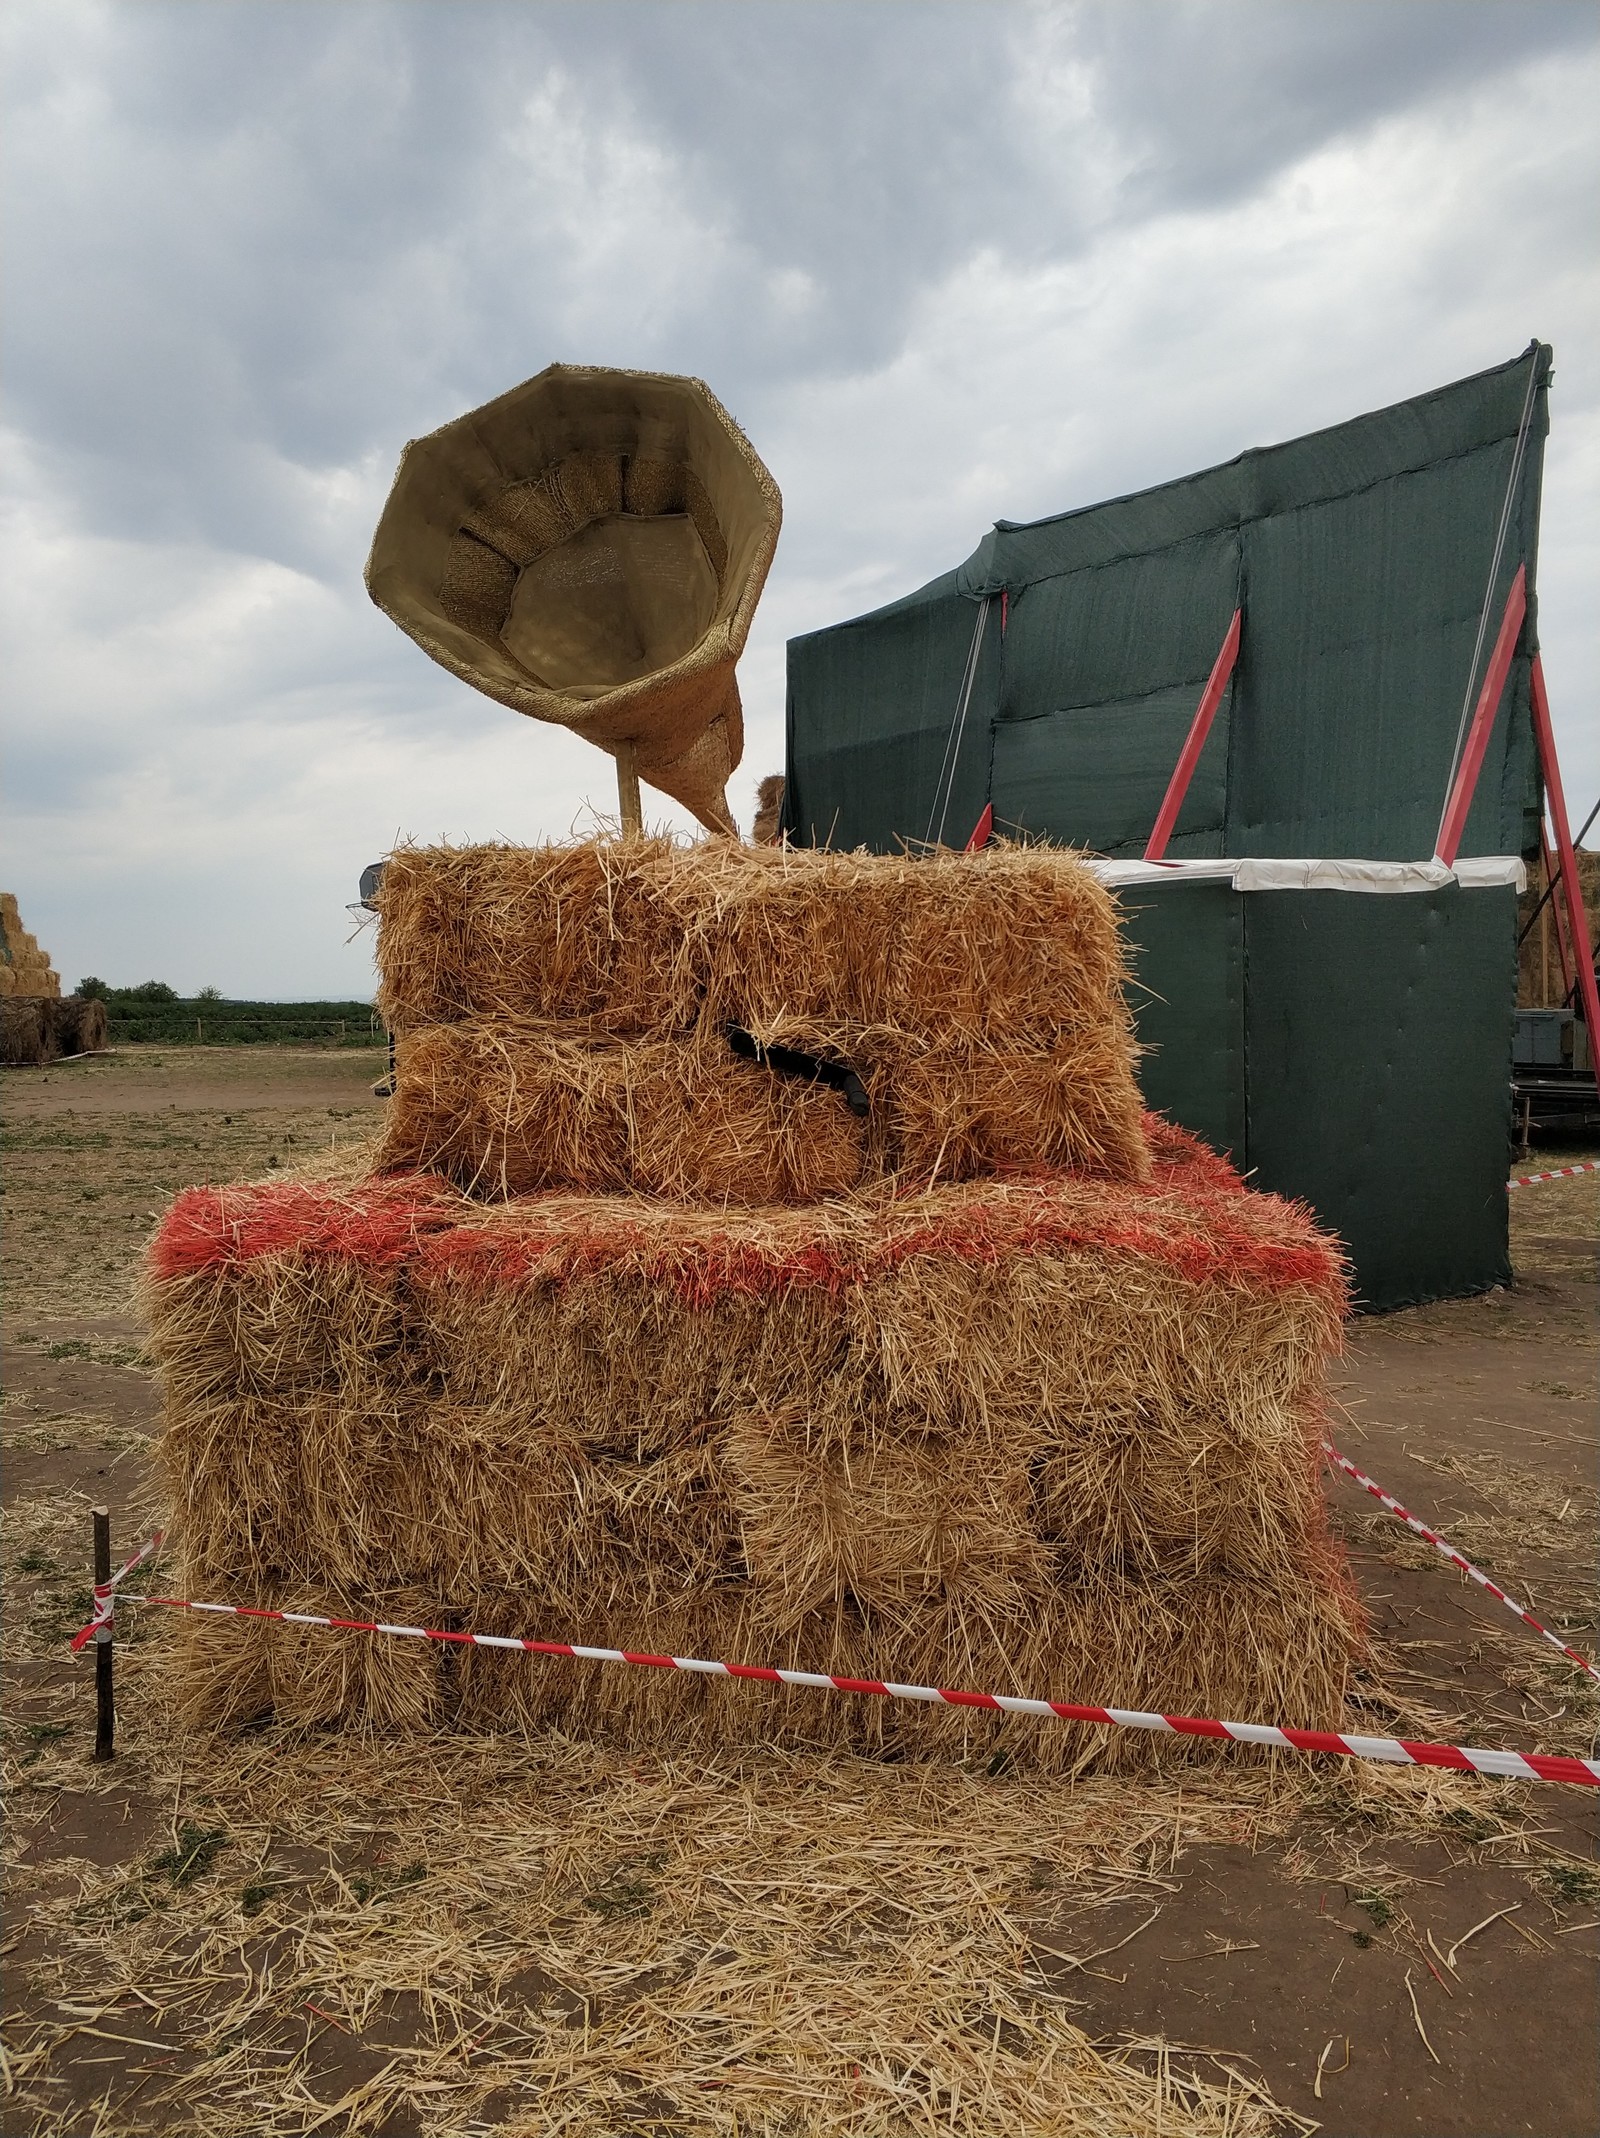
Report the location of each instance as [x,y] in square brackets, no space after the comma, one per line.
[945,263]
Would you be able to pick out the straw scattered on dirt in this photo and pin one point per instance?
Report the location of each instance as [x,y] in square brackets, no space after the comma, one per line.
[211,1920]
[583,1941]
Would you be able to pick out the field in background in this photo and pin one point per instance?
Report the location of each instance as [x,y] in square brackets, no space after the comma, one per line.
[137,1019]
[491,1935]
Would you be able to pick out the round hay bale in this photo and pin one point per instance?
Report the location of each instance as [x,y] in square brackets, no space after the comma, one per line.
[27,1032]
[81,1024]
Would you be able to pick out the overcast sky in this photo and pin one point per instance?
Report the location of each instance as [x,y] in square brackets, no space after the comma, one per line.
[946,264]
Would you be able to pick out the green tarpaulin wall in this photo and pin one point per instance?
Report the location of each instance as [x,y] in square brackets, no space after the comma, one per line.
[1351,1049]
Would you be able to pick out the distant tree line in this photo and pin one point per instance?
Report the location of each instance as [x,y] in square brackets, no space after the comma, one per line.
[155,1012]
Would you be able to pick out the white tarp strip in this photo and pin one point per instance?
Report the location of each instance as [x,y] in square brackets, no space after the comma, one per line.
[1492,868]
[1250,873]
[1115,874]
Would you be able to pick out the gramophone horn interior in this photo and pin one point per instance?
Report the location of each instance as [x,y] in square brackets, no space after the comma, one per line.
[589,549]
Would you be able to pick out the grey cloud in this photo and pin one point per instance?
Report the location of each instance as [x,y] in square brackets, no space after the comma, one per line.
[266,239]
[299,227]
[254,246]
[1212,96]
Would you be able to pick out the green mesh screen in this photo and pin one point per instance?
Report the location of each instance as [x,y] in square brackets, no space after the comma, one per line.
[1360,556]
[1352,1050]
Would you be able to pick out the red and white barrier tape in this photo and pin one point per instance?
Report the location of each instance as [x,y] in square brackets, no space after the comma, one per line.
[1474,1573]
[1391,1751]
[105,1593]
[1531,1180]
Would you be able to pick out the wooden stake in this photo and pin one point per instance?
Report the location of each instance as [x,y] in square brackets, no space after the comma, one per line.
[105,1714]
[628,791]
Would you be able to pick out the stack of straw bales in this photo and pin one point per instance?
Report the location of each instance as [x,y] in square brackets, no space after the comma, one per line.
[1543,956]
[38,1023]
[565,1019]
[25,970]
[1008,1414]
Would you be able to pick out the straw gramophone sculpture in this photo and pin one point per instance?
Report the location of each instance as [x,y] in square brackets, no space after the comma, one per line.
[766,1257]
[589,549]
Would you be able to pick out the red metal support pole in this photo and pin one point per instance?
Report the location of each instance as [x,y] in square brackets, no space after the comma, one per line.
[1454,821]
[1199,729]
[1566,855]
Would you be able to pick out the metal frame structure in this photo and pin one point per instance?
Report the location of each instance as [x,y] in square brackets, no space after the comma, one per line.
[1561,865]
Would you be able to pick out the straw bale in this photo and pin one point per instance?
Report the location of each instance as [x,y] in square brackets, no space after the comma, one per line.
[710,1127]
[769,810]
[954,1109]
[510,1109]
[81,1025]
[1050,1433]
[885,1518]
[232,1672]
[506,1109]
[617,1365]
[27,1035]
[1011,943]
[591,932]
[587,1531]
[94,1024]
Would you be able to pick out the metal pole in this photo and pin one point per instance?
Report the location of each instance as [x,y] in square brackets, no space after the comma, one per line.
[1453,824]
[105,1714]
[628,791]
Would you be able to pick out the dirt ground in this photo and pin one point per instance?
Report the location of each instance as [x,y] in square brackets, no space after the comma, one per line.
[293,1935]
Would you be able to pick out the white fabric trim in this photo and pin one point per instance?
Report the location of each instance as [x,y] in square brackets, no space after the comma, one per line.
[1253,873]
[1492,868]
[1114,874]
